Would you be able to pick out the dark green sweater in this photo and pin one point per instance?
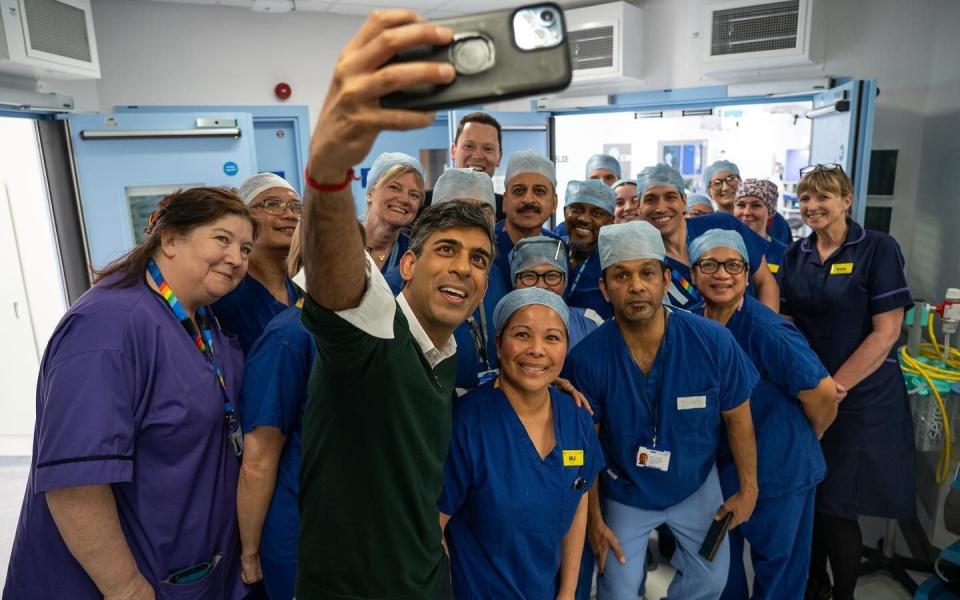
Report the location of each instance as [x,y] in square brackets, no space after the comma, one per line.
[375,435]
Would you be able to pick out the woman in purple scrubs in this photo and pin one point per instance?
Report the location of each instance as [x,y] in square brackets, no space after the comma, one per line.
[133,480]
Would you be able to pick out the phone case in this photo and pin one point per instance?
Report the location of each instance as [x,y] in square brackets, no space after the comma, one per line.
[715,534]
[515,72]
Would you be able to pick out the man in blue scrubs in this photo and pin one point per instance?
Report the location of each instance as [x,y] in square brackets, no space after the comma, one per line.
[794,402]
[529,198]
[589,205]
[662,203]
[603,168]
[722,179]
[660,422]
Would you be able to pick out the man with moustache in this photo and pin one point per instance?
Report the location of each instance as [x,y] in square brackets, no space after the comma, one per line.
[530,197]
[589,205]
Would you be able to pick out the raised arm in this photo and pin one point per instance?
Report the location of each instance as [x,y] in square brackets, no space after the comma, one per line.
[349,123]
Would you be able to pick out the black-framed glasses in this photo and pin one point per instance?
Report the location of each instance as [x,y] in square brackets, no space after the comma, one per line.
[530,278]
[825,167]
[731,180]
[734,266]
[278,207]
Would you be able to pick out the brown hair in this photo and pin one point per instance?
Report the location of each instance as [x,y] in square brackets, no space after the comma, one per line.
[180,213]
[483,119]
[819,180]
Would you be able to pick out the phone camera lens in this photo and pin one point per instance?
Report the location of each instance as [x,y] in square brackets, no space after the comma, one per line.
[547,16]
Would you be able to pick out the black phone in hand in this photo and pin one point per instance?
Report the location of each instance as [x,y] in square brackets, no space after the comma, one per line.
[711,543]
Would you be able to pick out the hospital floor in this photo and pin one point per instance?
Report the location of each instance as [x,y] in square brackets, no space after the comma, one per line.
[13,479]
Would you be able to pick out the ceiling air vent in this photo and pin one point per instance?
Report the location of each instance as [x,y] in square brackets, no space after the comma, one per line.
[591,48]
[605,47]
[57,28]
[755,28]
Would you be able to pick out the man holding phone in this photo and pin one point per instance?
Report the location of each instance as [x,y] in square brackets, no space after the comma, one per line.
[378,419]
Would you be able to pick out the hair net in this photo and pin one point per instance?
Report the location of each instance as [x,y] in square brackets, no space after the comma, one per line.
[630,241]
[254,186]
[464,184]
[528,161]
[620,182]
[603,161]
[387,161]
[764,189]
[537,250]
[517,299]
[591,191]
[720,165]
[717,238]
[656,175]
[698,200]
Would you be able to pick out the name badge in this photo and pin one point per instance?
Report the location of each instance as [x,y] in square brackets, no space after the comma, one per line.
[648,458]
[688,402]
[573,458]
[841,268]
[774,268]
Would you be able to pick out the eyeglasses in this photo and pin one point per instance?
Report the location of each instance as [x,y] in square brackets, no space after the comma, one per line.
[734,266]
[277,208]
[530,278]
[730,180]
[827,167]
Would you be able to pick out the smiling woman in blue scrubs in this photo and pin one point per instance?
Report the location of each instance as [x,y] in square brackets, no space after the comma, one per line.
[394,195]
[792,404]
[521,459]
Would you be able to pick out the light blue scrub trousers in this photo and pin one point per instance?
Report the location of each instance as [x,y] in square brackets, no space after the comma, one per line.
[696,578]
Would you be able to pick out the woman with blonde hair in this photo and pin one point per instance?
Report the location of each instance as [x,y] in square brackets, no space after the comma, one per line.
[394,195]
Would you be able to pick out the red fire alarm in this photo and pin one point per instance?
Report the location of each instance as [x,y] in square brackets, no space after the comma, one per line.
[282,90]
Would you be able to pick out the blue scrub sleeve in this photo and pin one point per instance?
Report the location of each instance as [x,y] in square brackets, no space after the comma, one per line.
[886,282]
[274,383]
[87,432]
[789,362]
[595,461]
[577,369]
[394,280]
[458,471]
[738,376]
[756,246]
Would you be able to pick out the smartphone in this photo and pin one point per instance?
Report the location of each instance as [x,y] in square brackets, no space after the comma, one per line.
[193,573]
[711,543]
[498,55]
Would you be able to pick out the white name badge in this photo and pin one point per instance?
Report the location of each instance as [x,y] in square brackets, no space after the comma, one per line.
[648,458]
[688,402]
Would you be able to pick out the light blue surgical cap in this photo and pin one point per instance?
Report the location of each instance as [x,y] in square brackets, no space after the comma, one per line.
[464,184]
[603,161]
[592,192]
[720,165]
[659,175]
[717,238]
[537,250]
[259,183]
[697,200]
[620,182]
[630,241]
[387,161]
[528,161]
[517,299]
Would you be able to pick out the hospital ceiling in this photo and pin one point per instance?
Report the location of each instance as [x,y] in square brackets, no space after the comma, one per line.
[436,9]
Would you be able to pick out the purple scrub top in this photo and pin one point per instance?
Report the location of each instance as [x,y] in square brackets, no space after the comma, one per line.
[125,398]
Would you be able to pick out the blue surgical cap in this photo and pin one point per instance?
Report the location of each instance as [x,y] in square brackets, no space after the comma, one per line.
[538,250]
[528,161]
[261,182]
[517,299]
[620,182]
[659,175]
[387,161]
[717,238]
[591,191]
[698,199]
[720,165]
[630,241]
[603,161]
[464,184]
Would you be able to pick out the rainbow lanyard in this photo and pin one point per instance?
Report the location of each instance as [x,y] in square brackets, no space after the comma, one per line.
[203,339]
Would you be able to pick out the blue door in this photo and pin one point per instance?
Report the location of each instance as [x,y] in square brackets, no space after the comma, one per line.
[126,163]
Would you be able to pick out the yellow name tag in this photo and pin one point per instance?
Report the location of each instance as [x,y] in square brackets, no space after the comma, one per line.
[841,269]
[774,268]
[573,458]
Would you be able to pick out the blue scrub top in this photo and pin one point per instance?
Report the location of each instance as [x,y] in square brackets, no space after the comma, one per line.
[505,246]
[682,293]
[774,256]
[509,508]
[583,286]
[398,250]
[583,321]
[246,310]
[779,229]
[274,394]
[561,229]
[697,359]
[788,452]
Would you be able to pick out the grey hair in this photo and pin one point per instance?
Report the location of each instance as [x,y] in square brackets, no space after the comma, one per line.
[448,215]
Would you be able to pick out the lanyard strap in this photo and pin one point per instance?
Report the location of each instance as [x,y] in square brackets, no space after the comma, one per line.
[480,337]
[576,280]
[654,407]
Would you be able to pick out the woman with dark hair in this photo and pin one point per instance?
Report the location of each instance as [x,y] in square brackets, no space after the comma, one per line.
[136,453]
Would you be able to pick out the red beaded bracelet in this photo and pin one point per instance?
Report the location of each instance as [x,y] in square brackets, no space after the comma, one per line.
[329,187]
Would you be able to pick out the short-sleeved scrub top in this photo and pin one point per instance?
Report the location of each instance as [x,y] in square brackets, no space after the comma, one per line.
[509,508]
[583,322]
[779,229]
[505,246]
[246,310]
[869,448]
[699,372]
[126,399]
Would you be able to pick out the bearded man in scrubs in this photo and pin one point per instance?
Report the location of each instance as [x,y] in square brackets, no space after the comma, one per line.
[589,205]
